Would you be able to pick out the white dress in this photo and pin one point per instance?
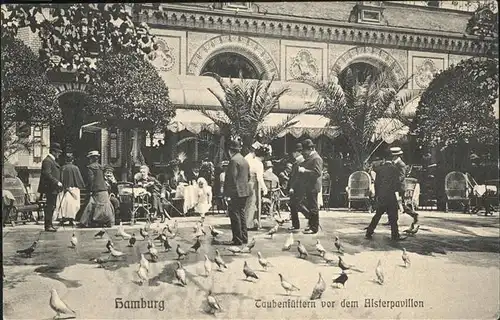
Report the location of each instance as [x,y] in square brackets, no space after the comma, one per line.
[204,200]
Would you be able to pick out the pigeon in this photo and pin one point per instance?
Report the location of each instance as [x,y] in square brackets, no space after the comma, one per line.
[100,234]
[379,272]
[74,241]
[344,266]
[132,240]
[166,245]
[28,251]
[100,261]
[406,258]
[180,274]
[218,260]
[234,249]
[153,252]
[250,246]
[215,232]
[144,262]
[288,243]
[196,245]
[142,272]
[273,230]
[109,245]
[249,272]
[115,253]
[208,266]
[59,306]
[180,253]
[302,250]
[213,303]
[338,245]
[319,288]
[320,248]
[342,279]
[121,232]
[144,234]
[412,231]
[287,285]
[329,257]
[263,262]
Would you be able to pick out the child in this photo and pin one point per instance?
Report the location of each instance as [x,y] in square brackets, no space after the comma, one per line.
[204,197]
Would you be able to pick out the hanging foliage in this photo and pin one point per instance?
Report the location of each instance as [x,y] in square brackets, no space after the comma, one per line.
[74,36]
[27,95]
[458,106]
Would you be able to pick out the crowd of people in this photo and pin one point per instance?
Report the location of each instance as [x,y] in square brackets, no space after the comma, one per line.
[244,184]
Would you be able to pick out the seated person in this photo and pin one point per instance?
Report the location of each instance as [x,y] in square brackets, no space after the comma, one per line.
[112,184]
[269,174]
[153,186]
[174,178]
[284,176]
[203,198]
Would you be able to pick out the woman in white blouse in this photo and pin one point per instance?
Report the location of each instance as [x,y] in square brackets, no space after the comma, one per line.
[257,186]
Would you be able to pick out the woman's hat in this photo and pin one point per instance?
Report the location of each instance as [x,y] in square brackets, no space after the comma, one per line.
[69,157]
[225,163]
[268,164]
[396,151]
[93,153]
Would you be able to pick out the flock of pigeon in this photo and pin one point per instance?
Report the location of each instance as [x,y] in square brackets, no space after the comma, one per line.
[168,232]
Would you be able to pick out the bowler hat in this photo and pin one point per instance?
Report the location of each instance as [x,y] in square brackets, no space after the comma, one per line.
[396,151]
[298,147]
[55,147]
[268,164]
[308,144]
[93,153]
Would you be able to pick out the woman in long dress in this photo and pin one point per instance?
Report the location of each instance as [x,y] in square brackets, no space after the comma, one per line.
[99,211]
[68,201]
[253,206]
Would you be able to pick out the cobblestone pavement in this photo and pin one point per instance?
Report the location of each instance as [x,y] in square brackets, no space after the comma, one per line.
[454,272]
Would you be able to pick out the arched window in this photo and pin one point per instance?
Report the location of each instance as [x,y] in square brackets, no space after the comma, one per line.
[360,70]
[229,64]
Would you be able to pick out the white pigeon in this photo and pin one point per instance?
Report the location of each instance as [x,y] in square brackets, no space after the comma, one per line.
[207,265]
[213,303]
[153,252]
[406,258]
[263,262]
[59,306]
[320,248]
[143,274]
[74,241]
[180,274]
[144,262]
[288,242]
[379,272]
[116,253]
[273,230]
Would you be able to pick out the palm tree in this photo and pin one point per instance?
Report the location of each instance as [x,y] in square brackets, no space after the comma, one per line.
[358,105]
[245,104]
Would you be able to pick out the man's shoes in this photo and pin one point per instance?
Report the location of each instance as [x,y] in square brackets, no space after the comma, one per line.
[50,229]
[310,232]
[400,238]
[293,229]
[368,236]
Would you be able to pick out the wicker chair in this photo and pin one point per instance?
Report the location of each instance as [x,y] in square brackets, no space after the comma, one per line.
[358,188]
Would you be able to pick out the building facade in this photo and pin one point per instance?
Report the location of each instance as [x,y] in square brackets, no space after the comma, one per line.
[287,40]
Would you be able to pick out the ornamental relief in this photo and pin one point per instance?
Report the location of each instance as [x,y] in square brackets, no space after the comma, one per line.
[425,72]
[163,58]
[304,65]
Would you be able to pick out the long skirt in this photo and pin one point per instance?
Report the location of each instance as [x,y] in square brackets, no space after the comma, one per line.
[99,211]
[253,206]
[67,204]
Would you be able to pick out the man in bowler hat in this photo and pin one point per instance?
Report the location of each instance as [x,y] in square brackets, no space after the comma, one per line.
[50,183]
[236,190]
[297,190]
[312,175]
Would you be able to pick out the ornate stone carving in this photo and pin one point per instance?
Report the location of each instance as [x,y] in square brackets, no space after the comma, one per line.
[163,58]
[425,73]
[304,65]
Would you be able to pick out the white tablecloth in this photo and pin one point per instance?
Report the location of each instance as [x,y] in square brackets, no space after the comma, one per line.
[189,194]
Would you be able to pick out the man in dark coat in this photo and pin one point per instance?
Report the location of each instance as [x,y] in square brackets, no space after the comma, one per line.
[387,185]
[296,191]
[312,178]
[396,153]
[237,190]
[50,183]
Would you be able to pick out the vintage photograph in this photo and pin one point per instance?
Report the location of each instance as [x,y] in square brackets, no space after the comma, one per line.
[250,160]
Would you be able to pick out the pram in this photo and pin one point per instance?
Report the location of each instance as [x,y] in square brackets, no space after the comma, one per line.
[482,195]
[136,200]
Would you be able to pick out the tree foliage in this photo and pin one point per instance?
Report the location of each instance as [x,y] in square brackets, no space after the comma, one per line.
[357,106]
[127,93]
[27,95]
[457,107]
[484,24]
[245,105]
[75,35]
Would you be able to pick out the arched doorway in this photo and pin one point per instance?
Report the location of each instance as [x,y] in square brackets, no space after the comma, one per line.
[230,64]
[361,71]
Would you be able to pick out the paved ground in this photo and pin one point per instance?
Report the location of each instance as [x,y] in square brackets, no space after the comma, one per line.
[455,272]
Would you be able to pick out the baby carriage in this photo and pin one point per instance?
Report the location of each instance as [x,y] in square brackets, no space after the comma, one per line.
[136,200]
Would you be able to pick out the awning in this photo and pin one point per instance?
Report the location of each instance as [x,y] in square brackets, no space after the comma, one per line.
[308,124]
